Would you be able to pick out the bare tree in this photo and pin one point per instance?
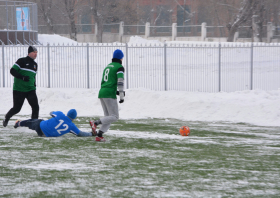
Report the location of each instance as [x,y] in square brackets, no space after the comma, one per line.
[126,11]
[220,13]
[111,11]
[258,20]
[45,8]
[242,16]
[99,10]
[71,8]
[272,13]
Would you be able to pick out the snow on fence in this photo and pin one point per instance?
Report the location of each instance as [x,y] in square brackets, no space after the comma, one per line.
[203,67]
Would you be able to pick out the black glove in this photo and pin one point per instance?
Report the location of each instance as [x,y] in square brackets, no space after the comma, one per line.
[122,94]
[25,78]
[118,93]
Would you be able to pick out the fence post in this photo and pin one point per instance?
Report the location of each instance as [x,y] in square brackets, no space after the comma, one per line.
[236,36]
[121,31]
[126,59]
[3,63]
[252,64]
[174,31]
[269,32]
[165,78]
[220,79]
[203,31]
[147,30]
[88,65]
[256,28]
[49,69]
[95,32]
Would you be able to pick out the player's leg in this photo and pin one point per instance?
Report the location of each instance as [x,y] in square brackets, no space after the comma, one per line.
[33,101]
[111,112]
[18,100]
[33,124]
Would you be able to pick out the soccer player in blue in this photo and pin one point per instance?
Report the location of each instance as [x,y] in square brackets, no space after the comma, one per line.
[58,125]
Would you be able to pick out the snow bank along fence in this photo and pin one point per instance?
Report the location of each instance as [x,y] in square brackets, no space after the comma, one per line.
[205,67]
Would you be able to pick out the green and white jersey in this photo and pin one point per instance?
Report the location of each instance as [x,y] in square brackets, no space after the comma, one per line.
[110,76]
[26,67]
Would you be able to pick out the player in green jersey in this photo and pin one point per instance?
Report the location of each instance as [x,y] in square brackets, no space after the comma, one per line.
[24,71]
[112,84]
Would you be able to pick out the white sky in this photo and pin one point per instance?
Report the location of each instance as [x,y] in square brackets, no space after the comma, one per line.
[256,107]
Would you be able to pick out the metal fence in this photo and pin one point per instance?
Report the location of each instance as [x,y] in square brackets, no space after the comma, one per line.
[205,67]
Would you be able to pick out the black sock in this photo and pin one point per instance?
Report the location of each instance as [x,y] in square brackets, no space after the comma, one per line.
[97,122]
[100,133]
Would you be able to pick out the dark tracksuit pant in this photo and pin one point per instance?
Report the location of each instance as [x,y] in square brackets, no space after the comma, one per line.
[33,124]
[19,98]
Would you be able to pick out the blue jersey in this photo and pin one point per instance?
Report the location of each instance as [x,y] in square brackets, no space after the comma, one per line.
[58,125]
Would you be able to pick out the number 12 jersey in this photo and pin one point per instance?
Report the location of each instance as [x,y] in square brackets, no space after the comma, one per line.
[59,125]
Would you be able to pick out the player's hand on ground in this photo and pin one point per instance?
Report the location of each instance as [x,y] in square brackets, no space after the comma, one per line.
[25,78]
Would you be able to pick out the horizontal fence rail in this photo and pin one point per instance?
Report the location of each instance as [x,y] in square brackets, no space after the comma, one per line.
[212,67]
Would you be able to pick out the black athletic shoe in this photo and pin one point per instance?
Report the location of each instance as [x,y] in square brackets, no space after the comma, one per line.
[5,122]
[17,124]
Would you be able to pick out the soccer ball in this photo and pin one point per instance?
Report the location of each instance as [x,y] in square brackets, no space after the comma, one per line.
[184,131]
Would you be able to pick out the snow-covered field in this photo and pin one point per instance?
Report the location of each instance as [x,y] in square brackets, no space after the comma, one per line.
[232,151]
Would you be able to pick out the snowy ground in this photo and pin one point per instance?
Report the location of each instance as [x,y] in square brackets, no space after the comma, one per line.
[255,107]
[143,158]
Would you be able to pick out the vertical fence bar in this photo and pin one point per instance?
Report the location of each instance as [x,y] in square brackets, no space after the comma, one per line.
[15,25]
[126,59]
[220,80]
[88,65]
[3,63]
[49,69]
[165,78]
[252,64]
[7,15]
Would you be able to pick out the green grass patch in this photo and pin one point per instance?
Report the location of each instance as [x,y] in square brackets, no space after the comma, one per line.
[143,158]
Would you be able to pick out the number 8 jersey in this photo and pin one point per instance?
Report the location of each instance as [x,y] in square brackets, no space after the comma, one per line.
[59,125]
[111,73]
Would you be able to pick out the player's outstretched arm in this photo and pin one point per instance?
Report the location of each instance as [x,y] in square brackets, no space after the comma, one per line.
[85,134]
[51,114]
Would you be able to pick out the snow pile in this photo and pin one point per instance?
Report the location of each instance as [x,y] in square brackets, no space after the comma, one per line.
[140,40]
[54,39]
[255,107]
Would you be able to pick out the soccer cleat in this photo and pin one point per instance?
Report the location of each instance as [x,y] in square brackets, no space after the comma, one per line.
[93,127]
[100,139]
[17,124]
[5,122]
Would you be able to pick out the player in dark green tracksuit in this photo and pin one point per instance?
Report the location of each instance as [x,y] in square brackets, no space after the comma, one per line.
[24,72]
[112,84]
